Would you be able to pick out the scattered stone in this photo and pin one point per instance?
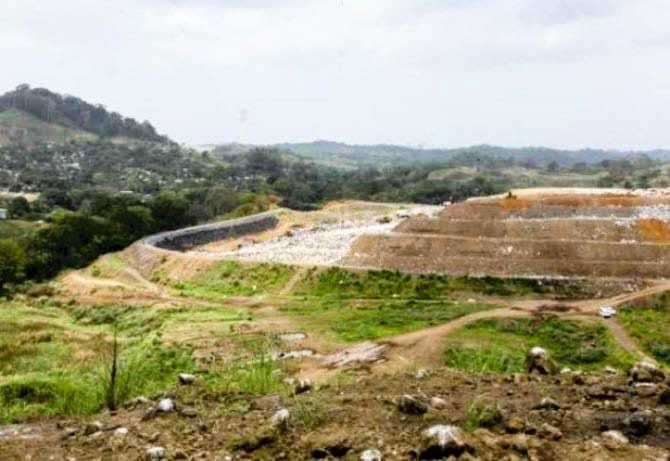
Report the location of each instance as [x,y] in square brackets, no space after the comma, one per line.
[538,360]
[371,455]
[664,396]
[411,406]
[421,373]
[256,441]
[442,441]
[611,371]
[280,419]
[514,425]
[155,453]
[186,378]
[165,405]
[302,385]
[547,403]
[319,453]
[438,403]
[121,432]
[646,389]
[614,439]
[367,352]
[189,412]
[292,336]
[519,442]
[646,371]
[566,371]
[641,422]
[547,431]
[69,432]
[92,427]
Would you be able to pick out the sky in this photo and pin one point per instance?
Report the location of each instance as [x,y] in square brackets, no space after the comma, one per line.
[431,73]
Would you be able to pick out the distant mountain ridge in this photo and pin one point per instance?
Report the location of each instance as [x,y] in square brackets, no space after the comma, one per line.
[384,155]
[37,115]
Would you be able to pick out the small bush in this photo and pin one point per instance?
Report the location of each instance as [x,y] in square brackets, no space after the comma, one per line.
[482,414]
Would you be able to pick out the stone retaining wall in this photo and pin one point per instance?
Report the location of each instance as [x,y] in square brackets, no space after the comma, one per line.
[190,237]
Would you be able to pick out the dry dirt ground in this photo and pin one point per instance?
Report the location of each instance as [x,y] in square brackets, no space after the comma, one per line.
[357,407]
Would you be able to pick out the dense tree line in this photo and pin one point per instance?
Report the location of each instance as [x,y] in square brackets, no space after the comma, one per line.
[75,113]
[94,223]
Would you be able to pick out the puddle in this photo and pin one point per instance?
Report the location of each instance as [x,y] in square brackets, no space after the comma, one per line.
[293,336]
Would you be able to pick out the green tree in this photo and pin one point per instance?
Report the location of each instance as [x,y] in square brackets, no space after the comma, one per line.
[12,263]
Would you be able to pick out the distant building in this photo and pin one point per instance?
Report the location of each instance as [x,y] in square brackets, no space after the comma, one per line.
[3,213]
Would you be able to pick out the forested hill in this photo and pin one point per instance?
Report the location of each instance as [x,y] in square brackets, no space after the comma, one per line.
[387,155]
[33,115]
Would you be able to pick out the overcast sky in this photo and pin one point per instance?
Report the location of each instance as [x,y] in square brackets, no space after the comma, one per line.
[560,73]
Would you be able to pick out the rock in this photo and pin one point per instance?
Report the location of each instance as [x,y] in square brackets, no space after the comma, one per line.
[646,389]
[165,405]
[302,385]
[69,432]
[411,406]
[614,439]
[566,371]
[514,425]
[538,360]
[611,371]
[547,403]
[256,441]
[664,396]
[319,453]
[646,371]
[519,442]
[189,412]
[442,441]
[121,432]
[641,422]
[186,378]
[600,393]
[547,431]
[421,373]
[179,454]
[280,419]
[438,403]
[371,455]
[92,427]
[155,453]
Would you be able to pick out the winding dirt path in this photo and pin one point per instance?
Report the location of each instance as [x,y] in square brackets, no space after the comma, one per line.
[423,347]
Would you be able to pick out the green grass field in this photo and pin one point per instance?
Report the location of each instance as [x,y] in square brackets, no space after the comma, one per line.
[353,321]
[16,229]
[500,345]
[231,278]
[380,284]
[54,359]
[649,325]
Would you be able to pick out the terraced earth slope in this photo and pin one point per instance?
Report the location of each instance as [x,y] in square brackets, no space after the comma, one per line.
[532,232]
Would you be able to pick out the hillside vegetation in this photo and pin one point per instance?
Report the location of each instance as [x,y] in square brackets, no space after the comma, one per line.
[69,112]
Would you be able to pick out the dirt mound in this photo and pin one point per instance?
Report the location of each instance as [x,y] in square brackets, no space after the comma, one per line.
[537,233]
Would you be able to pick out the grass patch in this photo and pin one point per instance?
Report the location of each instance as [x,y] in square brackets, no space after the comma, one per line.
[54,360]
[482,414]
[16,229]
[355,321]
[231,278]
[340,283]
[649,325]
[500,345]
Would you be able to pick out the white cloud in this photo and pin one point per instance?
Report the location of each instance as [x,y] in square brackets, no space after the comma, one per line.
[437,72]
